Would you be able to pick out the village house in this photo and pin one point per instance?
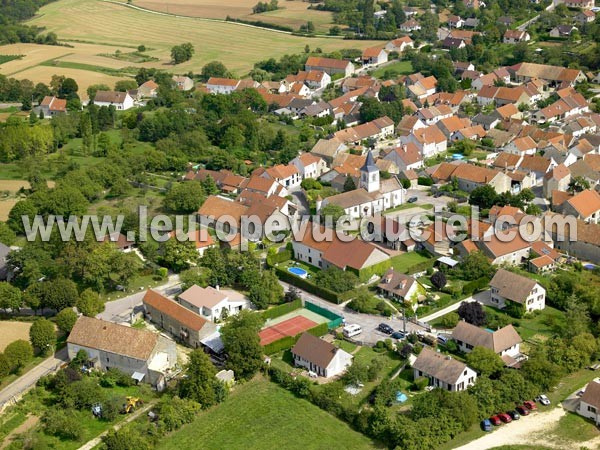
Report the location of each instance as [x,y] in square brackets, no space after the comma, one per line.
[51,106]
[400,287]
[429,140]
[405,157]
[562,31]
[553,75]
[521,146]
[149,89]
[433,114]
[146,356]
[309,165]
[373,56]
[443,371]
[582,4]
[120,241]
[584,205]
[183,83]
[455,22]
[505,342]
[377,129]
[585,17]
[314,79]
[515,36]
[320,357]
[512,252]
[122,101]
[509,287]
[589,404]
[328,149]
[577,238]
[329,65]
[373,195]
[182,323]
[422,88]
[409,26]
[216,85]
[286,175]
[557,179]
[200,237]
[400,44]
[213,303]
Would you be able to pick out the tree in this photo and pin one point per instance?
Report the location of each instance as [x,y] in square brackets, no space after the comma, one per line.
[438,279]
[267,291]
[578,184]
[472,312]
[484,196]
[182,53]
[349,184]
[42,335]
[577,318]
[199,384]
[93,88]
[185,198]
[475,266]
[18,354]
[4,366]
[65,320]
[178,255]
[292,294]
[333,211]
[89,303]
[484,361]
[215,69]
[242,343]
[336,279]
[19,210]
[125,438]
[10,296]
[125,85]
[7,235]
[210,186]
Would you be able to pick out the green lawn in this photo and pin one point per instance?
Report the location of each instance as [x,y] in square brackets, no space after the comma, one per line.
[575,428]
[571,383]
[406,206]
[261,415]
[393,70]
[403,262]
[536,327]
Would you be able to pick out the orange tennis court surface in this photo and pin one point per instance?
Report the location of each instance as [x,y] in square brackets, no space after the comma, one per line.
[289,327]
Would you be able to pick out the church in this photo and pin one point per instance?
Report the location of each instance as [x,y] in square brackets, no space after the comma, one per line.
[372,196]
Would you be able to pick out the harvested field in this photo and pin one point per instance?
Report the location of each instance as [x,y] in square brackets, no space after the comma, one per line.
[13,185]
[237,46]
[11,331]
[5,207]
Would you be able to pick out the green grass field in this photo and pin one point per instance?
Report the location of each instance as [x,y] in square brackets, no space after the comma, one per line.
[394,70]
[403,262]
[7,58]
[261,415]
[237,46]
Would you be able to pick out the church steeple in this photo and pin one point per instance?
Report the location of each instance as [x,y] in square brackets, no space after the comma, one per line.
[369,174]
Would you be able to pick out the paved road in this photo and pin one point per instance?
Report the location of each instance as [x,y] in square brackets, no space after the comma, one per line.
[482,297]
[368,322]
[120,310]
[11,393]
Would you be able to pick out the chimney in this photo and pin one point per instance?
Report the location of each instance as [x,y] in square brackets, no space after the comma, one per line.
[404,147]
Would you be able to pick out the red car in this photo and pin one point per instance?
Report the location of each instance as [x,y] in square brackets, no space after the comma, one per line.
[522,410]
[505,417]
[495,420]
[530,404]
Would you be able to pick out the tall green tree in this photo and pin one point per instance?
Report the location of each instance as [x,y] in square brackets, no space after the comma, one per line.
[42,335]
[199,383]
[242,344]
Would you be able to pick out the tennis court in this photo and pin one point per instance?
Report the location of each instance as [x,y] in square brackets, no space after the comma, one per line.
[289,327]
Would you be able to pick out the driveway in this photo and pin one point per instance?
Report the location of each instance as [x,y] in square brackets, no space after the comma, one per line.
[368,322]
[481,297]
[13,392]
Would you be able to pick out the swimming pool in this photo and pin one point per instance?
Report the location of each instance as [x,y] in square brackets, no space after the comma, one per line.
[298,272]
[590,266]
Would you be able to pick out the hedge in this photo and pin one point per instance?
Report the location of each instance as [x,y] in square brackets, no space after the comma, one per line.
[365,274]
[279,257]
[421,267]
[287,342]
[475,286]
[308,286]
[281,310]
[261,24]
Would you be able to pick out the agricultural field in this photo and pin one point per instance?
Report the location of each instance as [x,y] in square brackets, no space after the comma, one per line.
[12,331]
[291,13]
[236,45]
[259,415]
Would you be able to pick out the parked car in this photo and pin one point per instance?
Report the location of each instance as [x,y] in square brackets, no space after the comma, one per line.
[486,425]
[522,410]
[495,420]
[530,405]
[442,339]
[514,415]
[543,399]
[385,328]
[398,335]
[412,199]
[505,417]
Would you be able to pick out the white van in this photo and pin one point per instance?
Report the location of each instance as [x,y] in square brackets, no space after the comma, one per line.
[352,330]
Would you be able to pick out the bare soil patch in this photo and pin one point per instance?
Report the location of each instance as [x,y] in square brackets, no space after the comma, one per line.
[11,331]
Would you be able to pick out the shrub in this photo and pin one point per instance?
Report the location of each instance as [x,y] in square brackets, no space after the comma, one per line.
[438,279]
[421,383]
[66,319]
[450,320]
[424,181]
[42,335]
[281,310]
[18,354]
[62,423]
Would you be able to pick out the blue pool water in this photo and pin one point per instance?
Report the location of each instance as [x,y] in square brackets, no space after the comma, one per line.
[298,271]
[590,266]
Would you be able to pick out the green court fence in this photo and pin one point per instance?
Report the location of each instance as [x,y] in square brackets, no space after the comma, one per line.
[334,319]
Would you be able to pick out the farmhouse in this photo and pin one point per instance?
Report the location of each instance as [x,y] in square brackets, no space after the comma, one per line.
[589,405]
[51,106]
[374,56]
[504,342]
[320,357]
[216,85]
[183,83]
[507,287]
[149,89]
[213,303]
[181,322]
[400,44]
[145,355]
[443,371]
[329,65]
[120,100]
